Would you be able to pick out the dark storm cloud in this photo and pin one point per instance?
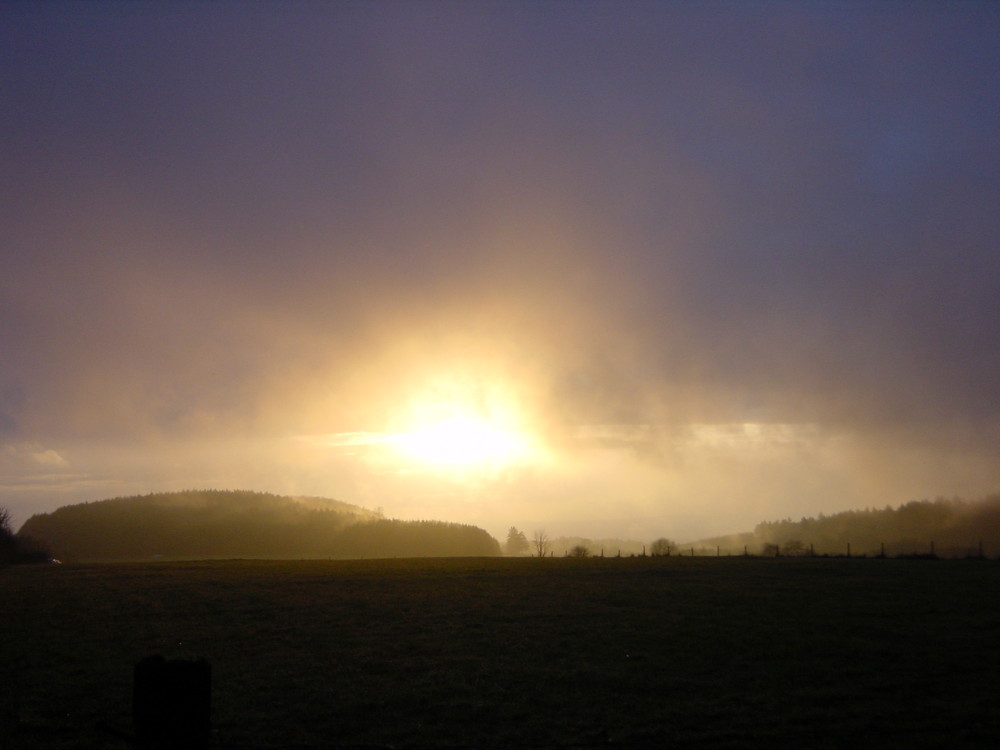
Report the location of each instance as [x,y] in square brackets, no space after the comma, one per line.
[216,217]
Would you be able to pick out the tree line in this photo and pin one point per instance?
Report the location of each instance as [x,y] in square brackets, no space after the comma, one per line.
[943,527]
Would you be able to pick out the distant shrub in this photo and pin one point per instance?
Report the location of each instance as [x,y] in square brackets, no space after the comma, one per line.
[662,547]
[794,548]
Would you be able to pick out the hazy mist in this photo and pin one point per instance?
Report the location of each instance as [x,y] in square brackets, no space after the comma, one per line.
[711,263]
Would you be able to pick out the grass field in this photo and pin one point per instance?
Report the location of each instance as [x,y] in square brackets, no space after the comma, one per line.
[666,652]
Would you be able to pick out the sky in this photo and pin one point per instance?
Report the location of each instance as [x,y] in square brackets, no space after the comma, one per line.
[607,269]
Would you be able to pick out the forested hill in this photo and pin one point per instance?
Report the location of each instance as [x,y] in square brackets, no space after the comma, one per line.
[948,528]
[225,524]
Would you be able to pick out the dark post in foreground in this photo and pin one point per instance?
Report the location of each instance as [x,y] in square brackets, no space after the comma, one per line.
[171,704]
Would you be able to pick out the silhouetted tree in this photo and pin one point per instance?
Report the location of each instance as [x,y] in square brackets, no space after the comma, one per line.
[662,547]
[540,540]
[517,542]
[579,550]
[8,544]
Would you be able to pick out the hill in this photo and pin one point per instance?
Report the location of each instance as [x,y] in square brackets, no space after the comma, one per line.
[228,524]
[946,527]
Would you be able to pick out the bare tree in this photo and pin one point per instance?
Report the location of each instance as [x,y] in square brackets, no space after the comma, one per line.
[540,540]
[8,544]
[18,549]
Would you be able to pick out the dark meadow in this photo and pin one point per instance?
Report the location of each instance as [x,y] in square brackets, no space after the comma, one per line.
[516,652]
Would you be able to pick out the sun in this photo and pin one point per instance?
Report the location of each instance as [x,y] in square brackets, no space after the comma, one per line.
[460,436]
[462,441]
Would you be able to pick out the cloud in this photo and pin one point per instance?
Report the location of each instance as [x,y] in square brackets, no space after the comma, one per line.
[22,455]
[49,458]
[697,252]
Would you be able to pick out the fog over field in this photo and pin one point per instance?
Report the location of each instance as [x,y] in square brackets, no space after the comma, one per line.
[607,269]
